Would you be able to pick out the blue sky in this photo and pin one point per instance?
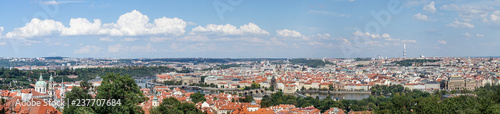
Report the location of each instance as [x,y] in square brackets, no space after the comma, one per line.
[248,29]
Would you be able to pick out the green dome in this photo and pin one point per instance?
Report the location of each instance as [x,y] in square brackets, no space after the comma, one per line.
[43,83]
[40,82]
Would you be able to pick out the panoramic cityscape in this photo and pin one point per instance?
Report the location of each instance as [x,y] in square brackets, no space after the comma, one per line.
[249,57]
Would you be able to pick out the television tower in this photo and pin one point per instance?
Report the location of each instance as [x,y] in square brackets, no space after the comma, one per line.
[404,50]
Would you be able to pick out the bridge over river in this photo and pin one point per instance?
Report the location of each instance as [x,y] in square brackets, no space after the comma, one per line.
[231,90]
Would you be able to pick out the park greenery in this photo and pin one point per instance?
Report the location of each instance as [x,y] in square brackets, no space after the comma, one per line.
[253,86]
[173,106]
[310,62]
[113,87]
[198,97]
[397,99]
[363,59]
[222,66]
[409,62]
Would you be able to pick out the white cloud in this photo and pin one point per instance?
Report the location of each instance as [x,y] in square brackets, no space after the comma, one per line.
[442,42]
[316,43]
[430,7]
[472,35]
[82,26]
[106,39]
[3,43]
[457,24]
[376,39]
[37,27]
[467,12]
[385,35]
[248,29]
[328,13]
[195,38]
[1,31]
[492,19]
[130,39]
[369,35]
[409,41]
[129,24]
[89,49]
[135,23]
[421,17]
[288,33]
[467,34]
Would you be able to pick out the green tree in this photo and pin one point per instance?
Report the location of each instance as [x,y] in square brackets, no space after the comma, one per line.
[120,87]
[255,85]
[173,106]
[77,93]
[198,97]
[83,110]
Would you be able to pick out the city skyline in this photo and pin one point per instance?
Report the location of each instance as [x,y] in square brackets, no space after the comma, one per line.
[249,29]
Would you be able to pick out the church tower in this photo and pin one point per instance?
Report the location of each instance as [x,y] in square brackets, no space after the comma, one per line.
[63,89]
[51,87]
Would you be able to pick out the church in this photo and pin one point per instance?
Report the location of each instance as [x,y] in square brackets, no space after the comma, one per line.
[47,89]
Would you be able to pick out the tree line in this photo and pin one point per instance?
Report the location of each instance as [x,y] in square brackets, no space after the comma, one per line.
[397,99]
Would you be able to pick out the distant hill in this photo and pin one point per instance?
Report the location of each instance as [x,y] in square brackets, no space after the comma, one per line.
[310,62]
[55,58]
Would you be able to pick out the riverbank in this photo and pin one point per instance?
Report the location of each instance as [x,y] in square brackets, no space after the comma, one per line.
[334,92]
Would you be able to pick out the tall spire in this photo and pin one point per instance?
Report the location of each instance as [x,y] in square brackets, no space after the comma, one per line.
[62,83]
[51,79]
[404,50]
[41,78]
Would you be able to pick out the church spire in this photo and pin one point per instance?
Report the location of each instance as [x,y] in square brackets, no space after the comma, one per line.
[41,78]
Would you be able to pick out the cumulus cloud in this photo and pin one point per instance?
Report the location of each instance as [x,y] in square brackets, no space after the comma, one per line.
[442,42]
[37,27]
[89,49]
[288,33]
[129,24]
[421,17]
[457,24]
[135,23]
[430,7]
[82,26]
[248,29]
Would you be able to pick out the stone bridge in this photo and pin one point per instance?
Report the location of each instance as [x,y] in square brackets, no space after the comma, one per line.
[237,91]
